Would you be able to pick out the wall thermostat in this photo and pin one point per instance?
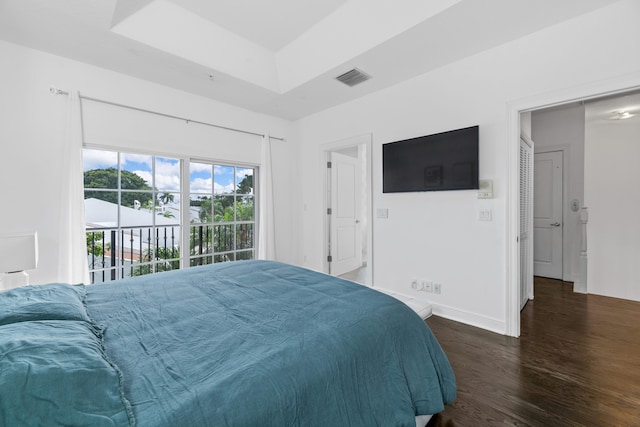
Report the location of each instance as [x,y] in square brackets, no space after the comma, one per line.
[486,189]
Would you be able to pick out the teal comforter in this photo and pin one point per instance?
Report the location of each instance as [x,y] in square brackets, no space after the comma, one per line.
[250,343]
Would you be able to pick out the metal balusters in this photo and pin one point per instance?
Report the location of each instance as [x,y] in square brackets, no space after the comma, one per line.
[200,236]
[173,246]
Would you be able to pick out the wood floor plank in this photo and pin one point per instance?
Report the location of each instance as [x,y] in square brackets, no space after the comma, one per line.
[576,363]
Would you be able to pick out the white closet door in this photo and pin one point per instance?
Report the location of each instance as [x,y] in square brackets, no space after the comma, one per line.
[526,223]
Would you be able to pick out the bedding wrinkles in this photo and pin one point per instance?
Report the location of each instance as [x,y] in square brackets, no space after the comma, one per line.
[264,343]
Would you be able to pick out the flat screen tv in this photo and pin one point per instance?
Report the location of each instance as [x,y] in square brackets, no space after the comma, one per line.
[438,162]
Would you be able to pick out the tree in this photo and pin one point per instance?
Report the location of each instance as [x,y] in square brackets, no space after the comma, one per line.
[97,249]
[223,209]
[94,243]
[244,210]
[167,259]
[246,185]
[147,204]
[108,179]
[166,198]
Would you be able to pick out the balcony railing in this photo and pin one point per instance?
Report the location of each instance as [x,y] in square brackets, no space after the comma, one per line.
[134,251]
[221,243]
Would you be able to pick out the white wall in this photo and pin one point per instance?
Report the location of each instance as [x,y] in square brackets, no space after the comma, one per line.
[31,138]
[556,129]
[612,175]
[437,235]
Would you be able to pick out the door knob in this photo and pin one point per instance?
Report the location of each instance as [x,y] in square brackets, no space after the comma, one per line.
[357,221]
[555,224]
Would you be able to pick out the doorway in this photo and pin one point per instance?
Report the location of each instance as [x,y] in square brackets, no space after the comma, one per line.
[614,86]
[347,209]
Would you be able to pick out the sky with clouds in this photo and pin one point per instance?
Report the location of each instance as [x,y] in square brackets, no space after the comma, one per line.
[203,177]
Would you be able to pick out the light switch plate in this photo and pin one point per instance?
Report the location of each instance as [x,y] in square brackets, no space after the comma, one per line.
[382,213]
[486,215]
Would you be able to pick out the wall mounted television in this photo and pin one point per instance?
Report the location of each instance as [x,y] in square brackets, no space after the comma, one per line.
[438,162]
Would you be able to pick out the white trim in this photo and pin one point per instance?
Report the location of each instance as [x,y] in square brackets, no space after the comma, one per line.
[581,284]
[527,140]
[188,158]
[185,230]
[469,318]
[512,224]
[422,307]
[615,85]
[325,149]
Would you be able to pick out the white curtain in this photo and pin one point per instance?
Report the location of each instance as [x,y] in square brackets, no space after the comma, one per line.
[266,224]
[72,244]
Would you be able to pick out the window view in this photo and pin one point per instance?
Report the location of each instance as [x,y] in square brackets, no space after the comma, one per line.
[133,214]
[221,205]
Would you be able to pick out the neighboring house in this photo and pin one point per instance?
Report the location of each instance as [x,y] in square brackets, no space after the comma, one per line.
[130,243]
[100,215]
[127,245]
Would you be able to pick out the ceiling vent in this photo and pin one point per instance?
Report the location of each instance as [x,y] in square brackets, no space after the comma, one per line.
[353,77]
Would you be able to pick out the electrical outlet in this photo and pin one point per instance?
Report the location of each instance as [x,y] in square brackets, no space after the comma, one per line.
[427,286]
[437,288]
[414,284]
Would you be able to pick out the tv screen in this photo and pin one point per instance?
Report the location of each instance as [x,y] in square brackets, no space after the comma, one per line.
[438,162]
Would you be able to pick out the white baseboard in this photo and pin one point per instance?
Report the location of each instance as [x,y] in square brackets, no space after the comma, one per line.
[420,306]
[580,288]
[426,308]
[473,319]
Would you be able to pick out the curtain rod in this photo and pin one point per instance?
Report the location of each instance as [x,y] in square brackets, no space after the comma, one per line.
[56,91]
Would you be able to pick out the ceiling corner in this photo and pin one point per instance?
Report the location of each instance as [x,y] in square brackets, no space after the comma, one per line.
[126,8]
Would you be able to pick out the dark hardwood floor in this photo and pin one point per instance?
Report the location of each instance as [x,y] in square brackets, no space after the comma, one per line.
[576,363]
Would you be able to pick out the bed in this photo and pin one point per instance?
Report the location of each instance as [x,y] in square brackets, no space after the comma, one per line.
[247,343]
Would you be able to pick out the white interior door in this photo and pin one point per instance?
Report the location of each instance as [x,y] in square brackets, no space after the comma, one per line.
[547,215]
[526,223]
[345,244]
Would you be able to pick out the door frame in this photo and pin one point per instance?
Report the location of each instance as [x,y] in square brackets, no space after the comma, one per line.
[567,274]
[325,150]
[611,86]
